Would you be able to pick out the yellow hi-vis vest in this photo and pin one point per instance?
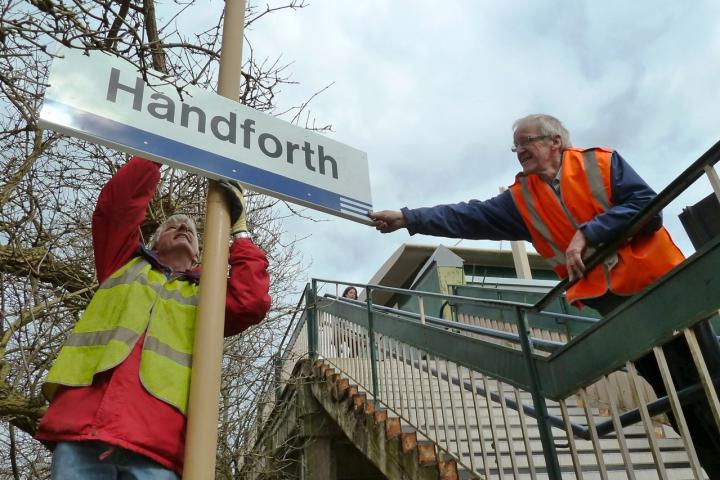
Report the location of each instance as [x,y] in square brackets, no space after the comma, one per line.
[134,299]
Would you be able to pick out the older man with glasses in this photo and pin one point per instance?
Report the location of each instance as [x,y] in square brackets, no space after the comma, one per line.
[565,201]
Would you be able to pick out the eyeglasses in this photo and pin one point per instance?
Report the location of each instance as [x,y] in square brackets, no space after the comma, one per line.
[527,141]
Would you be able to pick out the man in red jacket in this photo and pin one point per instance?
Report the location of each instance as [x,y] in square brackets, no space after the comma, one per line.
[119,387]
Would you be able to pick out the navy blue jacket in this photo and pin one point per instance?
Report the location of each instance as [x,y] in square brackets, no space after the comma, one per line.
[499,219]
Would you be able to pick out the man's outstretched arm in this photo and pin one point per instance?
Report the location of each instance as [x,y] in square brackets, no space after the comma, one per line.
[495,219]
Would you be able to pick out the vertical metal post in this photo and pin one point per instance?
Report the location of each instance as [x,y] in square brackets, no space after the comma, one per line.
[526,436]
[546,438]
[421,308]
[639,395]
[493,427]
[577,466]
[677,410]
[479,420]
[373,347]
[454,315]
[312,321]
[421,386]
[597,447]
[466,417]
[714,179]
[201,445]
[702,369]
[508,428]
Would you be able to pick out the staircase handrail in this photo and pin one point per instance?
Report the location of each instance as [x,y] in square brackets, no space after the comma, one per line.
[292,320]
[540,343]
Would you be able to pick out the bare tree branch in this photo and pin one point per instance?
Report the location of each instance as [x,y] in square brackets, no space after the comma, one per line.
[50,184]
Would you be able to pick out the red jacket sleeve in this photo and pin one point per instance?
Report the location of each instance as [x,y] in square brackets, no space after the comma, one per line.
[119,212]
[247,299]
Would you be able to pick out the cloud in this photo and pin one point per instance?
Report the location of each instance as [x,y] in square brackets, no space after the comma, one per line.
[430,93]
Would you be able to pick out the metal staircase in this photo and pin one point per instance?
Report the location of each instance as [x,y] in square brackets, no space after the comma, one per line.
[499,392]
[497,441]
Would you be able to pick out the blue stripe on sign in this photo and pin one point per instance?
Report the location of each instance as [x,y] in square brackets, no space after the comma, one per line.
[119,133]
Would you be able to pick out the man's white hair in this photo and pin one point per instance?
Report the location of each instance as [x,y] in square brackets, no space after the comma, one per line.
[179,217]
[547,125]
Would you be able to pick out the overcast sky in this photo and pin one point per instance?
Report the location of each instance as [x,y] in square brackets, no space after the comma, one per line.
[430,90]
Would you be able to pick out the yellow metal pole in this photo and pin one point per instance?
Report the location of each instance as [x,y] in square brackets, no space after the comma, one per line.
[201,436]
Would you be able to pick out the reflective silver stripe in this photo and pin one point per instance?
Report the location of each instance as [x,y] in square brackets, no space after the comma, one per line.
[131,275]
[539,225]
[154,345]
[126,276]
[89,339]
[178,297]
[594,176]
[166,294]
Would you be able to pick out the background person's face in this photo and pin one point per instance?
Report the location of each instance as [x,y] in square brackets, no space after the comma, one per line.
[351,294]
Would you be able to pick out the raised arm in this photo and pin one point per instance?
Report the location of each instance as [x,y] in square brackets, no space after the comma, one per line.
[247,299]
[120,210]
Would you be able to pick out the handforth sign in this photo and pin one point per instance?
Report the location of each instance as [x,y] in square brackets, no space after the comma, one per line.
[105,100]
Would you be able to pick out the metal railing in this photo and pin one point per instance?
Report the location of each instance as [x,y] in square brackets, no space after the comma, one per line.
[479,412]
[503,408]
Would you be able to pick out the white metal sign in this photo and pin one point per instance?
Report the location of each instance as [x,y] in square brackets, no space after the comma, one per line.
[104,99]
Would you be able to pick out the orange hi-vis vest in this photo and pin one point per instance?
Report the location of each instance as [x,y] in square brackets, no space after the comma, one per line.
[585,192]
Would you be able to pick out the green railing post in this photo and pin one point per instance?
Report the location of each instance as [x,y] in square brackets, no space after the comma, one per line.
[312,320]
[546,437]
[373,347]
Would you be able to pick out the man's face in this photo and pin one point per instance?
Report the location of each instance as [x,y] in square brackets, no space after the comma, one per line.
[536,153]
[178,236]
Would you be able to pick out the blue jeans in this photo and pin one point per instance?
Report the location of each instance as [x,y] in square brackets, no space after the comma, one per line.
[100,461]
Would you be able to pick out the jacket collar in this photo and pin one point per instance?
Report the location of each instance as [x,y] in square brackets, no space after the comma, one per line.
[189,275]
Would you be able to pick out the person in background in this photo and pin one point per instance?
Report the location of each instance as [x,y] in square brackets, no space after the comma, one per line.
[346,336]
[119,387]
[350,292]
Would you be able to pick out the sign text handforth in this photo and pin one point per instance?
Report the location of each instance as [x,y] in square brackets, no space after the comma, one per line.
[104,100]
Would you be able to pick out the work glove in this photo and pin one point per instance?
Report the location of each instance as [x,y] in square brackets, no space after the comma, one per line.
[238,206]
